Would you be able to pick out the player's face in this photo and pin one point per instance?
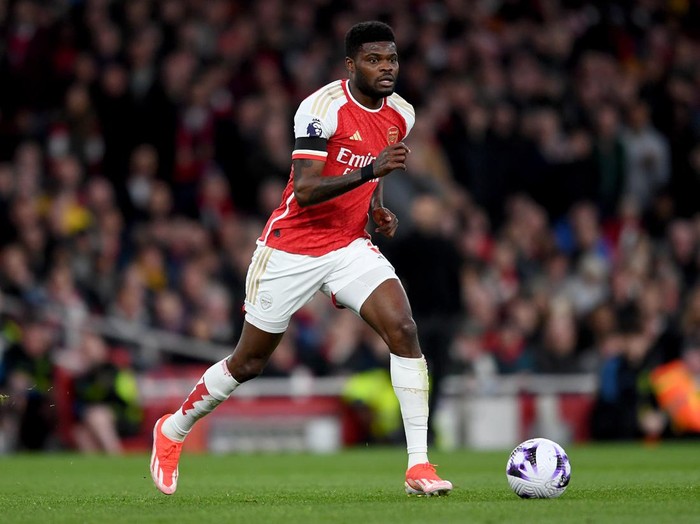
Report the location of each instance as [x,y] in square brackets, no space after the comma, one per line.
[374,69]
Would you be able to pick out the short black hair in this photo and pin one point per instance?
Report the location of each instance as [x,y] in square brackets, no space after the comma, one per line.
[372,31]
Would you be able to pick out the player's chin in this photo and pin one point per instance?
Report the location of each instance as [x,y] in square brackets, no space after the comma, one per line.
[384,91]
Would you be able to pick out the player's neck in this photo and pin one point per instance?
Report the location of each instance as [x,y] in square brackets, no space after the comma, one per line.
[364,100]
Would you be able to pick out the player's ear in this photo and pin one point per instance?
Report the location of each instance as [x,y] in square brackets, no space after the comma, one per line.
[349,65]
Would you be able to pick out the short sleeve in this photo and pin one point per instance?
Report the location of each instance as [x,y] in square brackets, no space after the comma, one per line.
[317,117]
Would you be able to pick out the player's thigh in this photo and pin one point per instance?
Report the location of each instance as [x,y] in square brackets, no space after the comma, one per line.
[360,269]
[278,284]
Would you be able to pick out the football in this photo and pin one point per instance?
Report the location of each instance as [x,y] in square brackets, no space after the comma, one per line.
[538,469]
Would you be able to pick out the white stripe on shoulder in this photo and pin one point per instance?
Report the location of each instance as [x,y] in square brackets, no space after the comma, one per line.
[324,98]
[404,108]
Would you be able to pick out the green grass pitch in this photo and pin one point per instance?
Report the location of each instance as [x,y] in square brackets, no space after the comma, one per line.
[622,483]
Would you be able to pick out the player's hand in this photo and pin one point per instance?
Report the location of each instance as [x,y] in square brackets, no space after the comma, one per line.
[386,221]
[390,158]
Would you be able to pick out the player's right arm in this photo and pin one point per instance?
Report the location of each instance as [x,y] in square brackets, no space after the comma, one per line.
[311,187]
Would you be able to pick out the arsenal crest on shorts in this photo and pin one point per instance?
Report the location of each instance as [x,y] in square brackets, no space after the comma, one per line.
[392,135]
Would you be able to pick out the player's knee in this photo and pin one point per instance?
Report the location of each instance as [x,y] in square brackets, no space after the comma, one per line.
[403,333]
[246,370]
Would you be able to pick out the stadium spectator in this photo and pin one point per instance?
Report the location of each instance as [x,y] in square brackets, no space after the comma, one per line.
[626,407]
[214,200]
[470,356]
[169,312]
[105,396]
[558,349]
[437,303]
[647,157]
[690,319]
[27,379]
[610,157]
[682,246]
[587,286]
[139,184]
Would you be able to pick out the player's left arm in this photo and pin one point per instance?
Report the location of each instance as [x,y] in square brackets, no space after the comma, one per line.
[386,221]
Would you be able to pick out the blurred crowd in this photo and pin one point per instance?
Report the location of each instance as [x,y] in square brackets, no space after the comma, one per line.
[549,215]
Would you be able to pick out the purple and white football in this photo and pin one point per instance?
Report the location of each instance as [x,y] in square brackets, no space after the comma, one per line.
[538,469]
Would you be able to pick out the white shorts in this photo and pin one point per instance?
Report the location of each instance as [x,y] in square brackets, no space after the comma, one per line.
[278,283]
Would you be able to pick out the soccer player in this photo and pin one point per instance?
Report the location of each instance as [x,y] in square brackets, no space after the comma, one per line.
[349,135]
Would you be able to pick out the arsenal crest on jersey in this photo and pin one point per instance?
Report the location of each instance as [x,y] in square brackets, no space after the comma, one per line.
[392,135]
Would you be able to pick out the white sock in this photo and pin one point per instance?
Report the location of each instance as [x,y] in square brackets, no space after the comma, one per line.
[409,376]
[215,386]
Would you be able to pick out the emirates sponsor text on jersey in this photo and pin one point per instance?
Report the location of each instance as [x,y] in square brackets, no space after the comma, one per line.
[353,161]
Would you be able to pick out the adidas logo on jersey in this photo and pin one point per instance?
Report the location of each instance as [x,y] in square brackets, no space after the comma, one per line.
[356,136]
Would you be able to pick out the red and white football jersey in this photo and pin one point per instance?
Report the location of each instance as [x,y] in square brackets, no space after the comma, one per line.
[355,135]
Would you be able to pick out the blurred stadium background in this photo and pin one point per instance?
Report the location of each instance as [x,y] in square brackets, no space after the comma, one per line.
[549,238]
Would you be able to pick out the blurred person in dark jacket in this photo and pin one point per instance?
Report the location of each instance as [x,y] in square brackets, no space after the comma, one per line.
[682,245]
[436,301]
[609,153]
[16,277]
[625,407]
[26,377]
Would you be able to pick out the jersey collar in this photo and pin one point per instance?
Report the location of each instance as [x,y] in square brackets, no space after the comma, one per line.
[346,88]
